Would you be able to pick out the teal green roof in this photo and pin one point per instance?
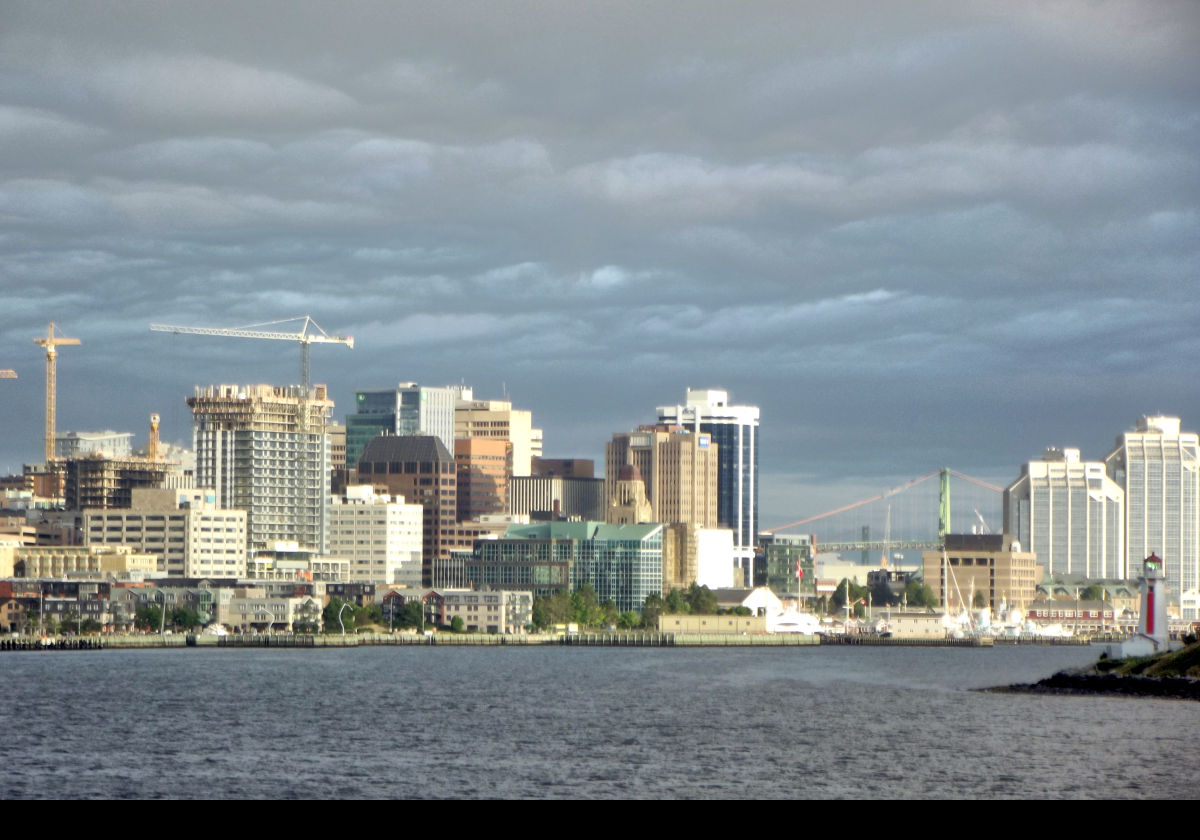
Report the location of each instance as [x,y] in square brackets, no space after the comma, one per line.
[582,531]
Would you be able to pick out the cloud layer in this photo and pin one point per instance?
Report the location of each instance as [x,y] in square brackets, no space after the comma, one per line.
[936,233]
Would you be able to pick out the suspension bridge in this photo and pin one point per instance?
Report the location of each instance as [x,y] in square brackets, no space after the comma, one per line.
[915,515]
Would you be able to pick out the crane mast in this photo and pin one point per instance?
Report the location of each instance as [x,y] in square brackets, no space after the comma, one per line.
[152,448]
[51,342]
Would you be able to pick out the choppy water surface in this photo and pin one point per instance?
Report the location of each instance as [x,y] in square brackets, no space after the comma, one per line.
[557,722]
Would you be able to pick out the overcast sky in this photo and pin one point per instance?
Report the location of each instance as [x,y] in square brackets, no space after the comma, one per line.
[915,234]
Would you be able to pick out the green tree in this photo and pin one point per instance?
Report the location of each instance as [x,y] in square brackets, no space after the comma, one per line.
[457,625]
[585,607]
[676,603]
[184,618]
[979,601]
[330,615]
[701,600]
[918,594]
[148,617]
[652,608]
[856,595]
[1095,592]
[557,608]
[70,622]
[609,614]
[411,615]
[882,595]
[368,615]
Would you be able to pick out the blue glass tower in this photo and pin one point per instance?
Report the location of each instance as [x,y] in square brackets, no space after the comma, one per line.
[734,429]
[407,409]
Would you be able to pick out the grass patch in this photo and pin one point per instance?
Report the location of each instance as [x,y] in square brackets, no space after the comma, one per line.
[1184,662]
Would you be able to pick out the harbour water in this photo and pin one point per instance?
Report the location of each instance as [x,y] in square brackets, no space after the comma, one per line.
[586,723]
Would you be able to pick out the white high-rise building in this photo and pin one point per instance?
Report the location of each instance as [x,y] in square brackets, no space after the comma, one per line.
[263,449]
[734,429]
[1070,513]
[1159,468]
[379,534]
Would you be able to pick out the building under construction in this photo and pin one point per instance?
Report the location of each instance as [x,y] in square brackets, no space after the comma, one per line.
[264,450]
[97,481]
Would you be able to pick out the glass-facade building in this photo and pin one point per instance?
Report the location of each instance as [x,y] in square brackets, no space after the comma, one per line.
[621,562]
[787,561]
[734,429]
[407,409]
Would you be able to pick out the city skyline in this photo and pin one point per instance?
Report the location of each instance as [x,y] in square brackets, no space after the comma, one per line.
[937,235]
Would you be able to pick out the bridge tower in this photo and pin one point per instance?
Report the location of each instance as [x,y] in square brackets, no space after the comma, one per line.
[943,504]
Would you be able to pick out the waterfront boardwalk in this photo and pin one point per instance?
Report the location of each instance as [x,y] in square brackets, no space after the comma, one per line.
[601,639]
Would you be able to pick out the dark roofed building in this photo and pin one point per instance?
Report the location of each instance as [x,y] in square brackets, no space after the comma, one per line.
[382,451]
[422,470]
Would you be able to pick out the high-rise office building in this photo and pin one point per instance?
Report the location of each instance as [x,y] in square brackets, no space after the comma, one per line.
[1070,513]
[498,420]
[1159,468]
[483,471]
[680,469]
[263,449]
[422,470]
[407,409]
[734,429]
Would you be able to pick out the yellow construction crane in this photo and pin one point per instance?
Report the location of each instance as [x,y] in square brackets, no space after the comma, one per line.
[152,449]
[303,336]
[51,342]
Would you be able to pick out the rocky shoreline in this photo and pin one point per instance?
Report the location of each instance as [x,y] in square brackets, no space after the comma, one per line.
[1174,674]
[1065,682]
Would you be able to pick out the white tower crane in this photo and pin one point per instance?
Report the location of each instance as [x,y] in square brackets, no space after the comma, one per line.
[303,336]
